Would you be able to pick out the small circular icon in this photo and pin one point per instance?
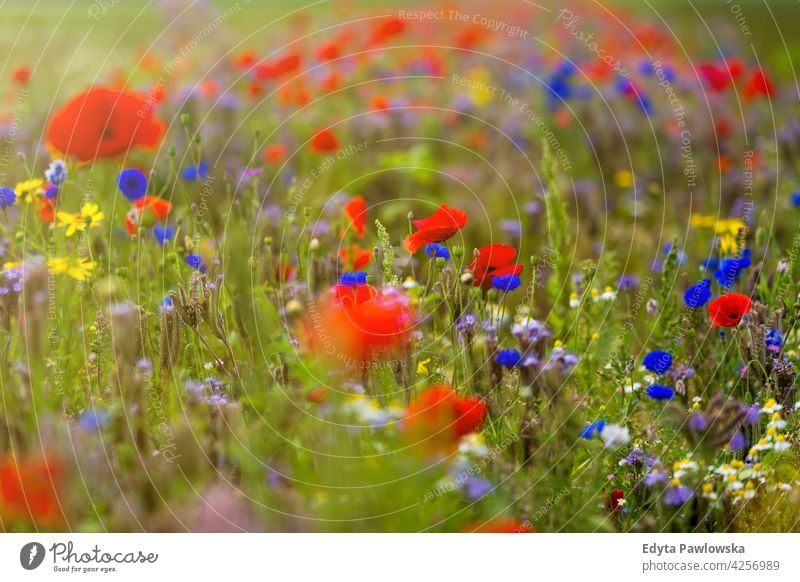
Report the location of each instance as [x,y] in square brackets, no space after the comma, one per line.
[31,555]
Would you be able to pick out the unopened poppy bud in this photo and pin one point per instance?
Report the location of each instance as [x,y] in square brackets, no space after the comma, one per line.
[257,133]
[491,294]
[458,251]
[440,262]
[306,211]
[370,279]
[467,278]
[268,240]
[197,138]
[172,152]
[185,119]
[253,263]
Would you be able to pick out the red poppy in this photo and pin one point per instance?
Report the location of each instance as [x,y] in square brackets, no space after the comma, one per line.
[45,207]
[275,153]
[328,52]
[728,310]
[255,89]
[22,75]
[146,211]
[360,324]
[103,123]
[469,38]
[317,395]
[356,212]
[29,491]
[244,60]
[759,85]
[495,260]
[438,418]
[379,103]
[718,78]
[387,29]
[438,227]
[355,258]
[501,525]
[284,272]
[615,500]
[331,82]
[281,66]
[324,141]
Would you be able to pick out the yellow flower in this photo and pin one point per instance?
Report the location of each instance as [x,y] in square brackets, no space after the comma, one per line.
[28,187]
[623,179]
[728,244]
[480,85]
[729,226]
[422,367]
[702,221]
[89,215]
[79,268]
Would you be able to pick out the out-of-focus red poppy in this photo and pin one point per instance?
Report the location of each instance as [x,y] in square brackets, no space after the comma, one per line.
[29,491]
[324,141]
[255,89]
[614,502]
[45,208]
[759,85]
[284,272]
[471,37]
[494,260]
[22,75]
[359,324]
[328,51]
[331,82]
[386,29]
[294,94]
[317,395]
[275,153]
[718,78]
[437,419]
[728,310]
[355,258]
[245,60]
[281,66]
[103,123]
[379,103]
[438,227]
[355,212]
[501,525]
[146,211]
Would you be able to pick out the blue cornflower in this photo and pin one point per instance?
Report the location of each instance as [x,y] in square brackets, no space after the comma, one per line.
[353,279]
[7,197]
[677,494]
[738,441]
[710,264]
[697,422]
[436,250]
[506,282]
[167,303]
[731,269]
[51,192]
[659,392]
[592,429]
[658,362]
[773,340]
[132,183]
[508,358]
[163,233]
[197,172]
[475,487]
[698,295]
[56,173]
[92,420]
[796,197]
[195,262]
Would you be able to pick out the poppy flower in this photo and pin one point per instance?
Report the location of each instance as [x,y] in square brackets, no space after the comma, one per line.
[759,85]
[438,227]
[328,52]
[438,418]
[728,310]
[275,153]
[359,324]
[494,260]
[22,75]
[146,211]
[356,212]
[324,141]
[355,258]
[45,208]
[500,525]
[615,500]
[279,67]
[29,491]
[387,29]
[103,123]
[245,60]
[284,272]
[717,78]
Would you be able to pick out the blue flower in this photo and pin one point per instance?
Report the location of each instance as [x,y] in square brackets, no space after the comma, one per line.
[195,262]
[738,441]
[132,183]
[697,422]
[731,269]
[51,192]
[698,295]
[506,282]
[436,250]
[796,197]
[592,429]
[773,340]
[94,419]
[163,233]
[710,264]
[508,358]
[353,279]
[658,362]
[197,172]
[7,197]
[659,392]
[677,494]
[56,173]
[475,487]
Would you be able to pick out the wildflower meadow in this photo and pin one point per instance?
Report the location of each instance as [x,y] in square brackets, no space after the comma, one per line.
[399,266]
